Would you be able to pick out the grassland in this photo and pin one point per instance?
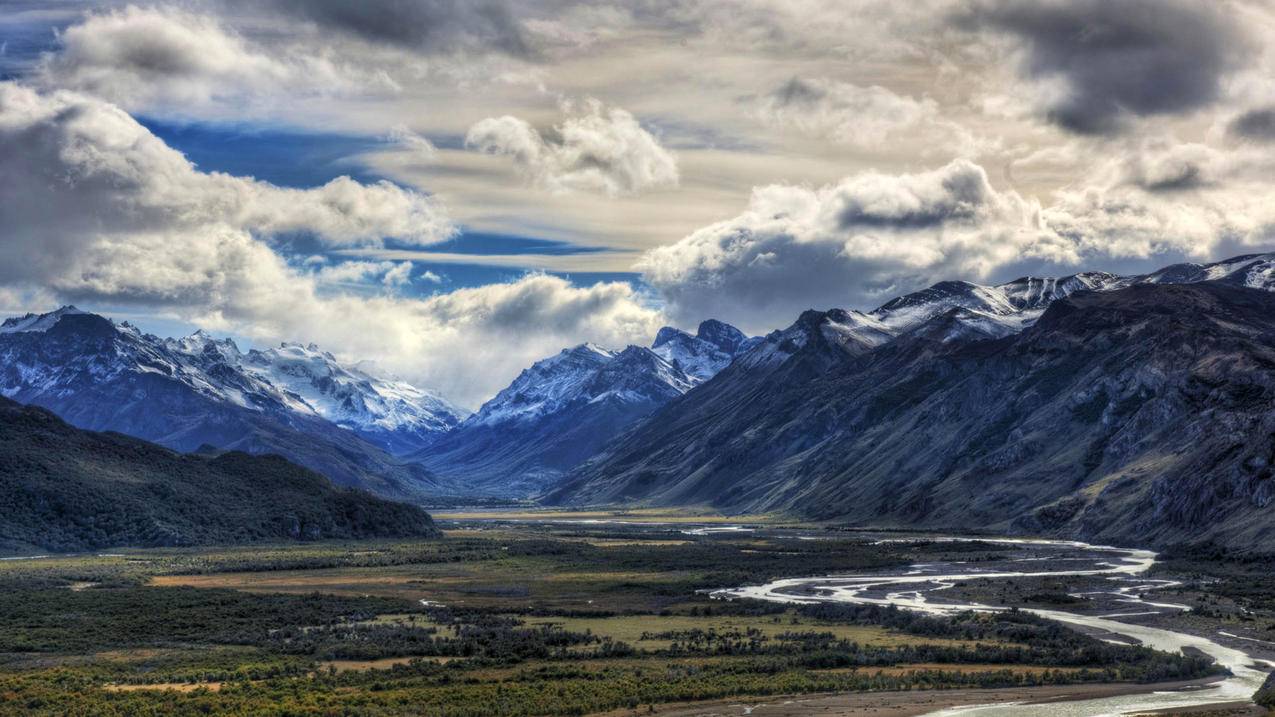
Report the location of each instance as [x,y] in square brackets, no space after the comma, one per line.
[518,619]
[620,516]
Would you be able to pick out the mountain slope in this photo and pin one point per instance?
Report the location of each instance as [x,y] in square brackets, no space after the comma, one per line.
[65,489]
[393,414]
[702,355]
[1130,415]
[555,414]
[1010,307]
[183,394]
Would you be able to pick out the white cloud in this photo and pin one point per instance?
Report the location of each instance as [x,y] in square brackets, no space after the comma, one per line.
[1164,197]
[106,212]
[404,137]
[360,273]
[179,62]
[874,236]
[844,112]
[865,239]
[124,179]
[592,149]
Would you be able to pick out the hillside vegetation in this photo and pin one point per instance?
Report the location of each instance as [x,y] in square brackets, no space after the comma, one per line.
[65,489]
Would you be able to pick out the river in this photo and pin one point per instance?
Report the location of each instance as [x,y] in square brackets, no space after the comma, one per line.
[1121,574]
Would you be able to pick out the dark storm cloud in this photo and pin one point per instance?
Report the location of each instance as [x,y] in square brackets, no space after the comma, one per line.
[1128,57]
[1255,124]
[431,25]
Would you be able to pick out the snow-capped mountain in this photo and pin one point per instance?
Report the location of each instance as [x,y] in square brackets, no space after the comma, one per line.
[197,391]
[556,413]
[702,355]
[36,322]
[1004,308]
[392,413]
[1007,308]
[544,388]
[58,353]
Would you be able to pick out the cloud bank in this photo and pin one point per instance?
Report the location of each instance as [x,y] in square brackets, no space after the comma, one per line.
[873,236]
[860,241]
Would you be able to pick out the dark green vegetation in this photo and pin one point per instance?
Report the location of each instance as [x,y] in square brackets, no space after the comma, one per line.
[1247,579]
[1265,697]
[1139,416]
[65,489]
[539,621]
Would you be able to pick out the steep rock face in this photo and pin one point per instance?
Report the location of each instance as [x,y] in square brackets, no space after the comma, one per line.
[702,355]
[1139,415]
[63,489]
[554,415]
[183,394]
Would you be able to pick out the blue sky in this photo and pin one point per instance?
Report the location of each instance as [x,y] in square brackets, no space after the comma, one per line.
[289,158]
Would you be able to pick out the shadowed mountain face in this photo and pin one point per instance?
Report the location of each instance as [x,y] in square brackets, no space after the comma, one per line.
[1129,415]
[563,409]
[553,416]
[65,489]
[183,394]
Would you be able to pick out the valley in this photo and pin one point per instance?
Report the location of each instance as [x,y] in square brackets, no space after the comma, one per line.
[696,358]
[815,519]
[615,613]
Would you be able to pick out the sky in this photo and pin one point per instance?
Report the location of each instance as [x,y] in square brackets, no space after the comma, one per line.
[457,188]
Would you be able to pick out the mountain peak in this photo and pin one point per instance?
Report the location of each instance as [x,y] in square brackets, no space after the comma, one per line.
[667,334]
[721,334]
[37,322]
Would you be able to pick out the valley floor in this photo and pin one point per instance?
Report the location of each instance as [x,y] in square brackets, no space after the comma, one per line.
[538,614]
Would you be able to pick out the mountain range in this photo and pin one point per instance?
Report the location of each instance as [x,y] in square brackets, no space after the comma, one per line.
[1124,409]
[352,424]
[1108,407]
[563,409]
[197,392]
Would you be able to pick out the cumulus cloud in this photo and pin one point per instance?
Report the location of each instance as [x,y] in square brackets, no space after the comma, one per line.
[873,236]
[1162,164]
[843,111]
[359,273]
[181,61]
[98,209]
[860,241]
[88,168]
[594,149]
[1097,63]
[1162,197]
